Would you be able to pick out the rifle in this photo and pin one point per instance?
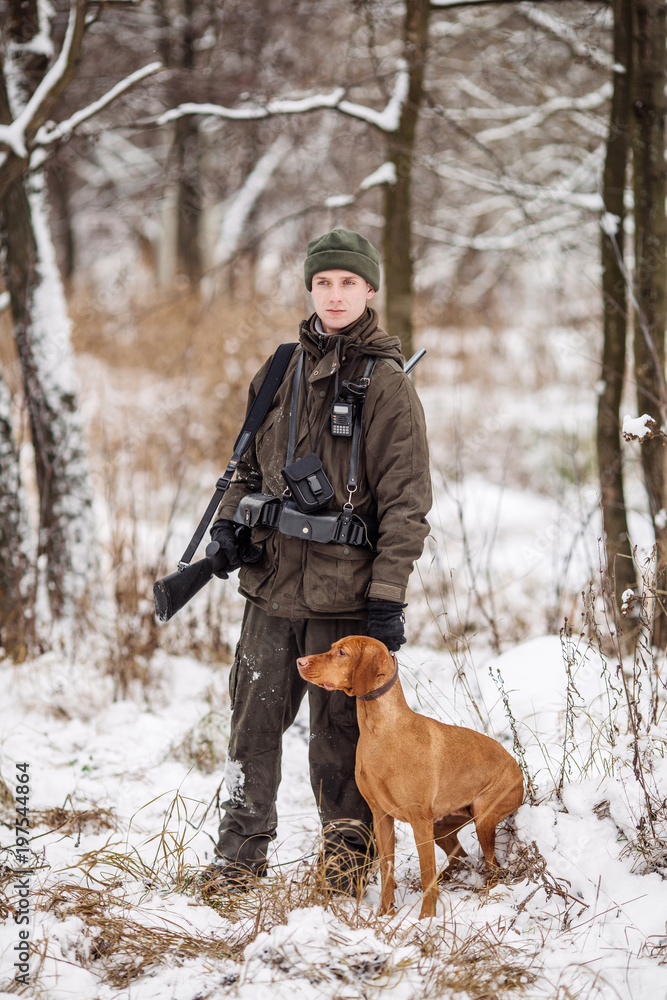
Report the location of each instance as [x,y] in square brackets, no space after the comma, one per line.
[172,592]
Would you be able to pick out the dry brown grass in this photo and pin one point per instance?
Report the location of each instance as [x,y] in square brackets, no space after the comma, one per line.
[74,821]
[8,908]
[121,949]
[480,963]
[215,347]
[120,944]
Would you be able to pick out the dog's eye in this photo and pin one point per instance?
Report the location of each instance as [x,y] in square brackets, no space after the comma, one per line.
[341,652]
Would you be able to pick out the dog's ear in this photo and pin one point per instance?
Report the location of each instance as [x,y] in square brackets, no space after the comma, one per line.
[370,662]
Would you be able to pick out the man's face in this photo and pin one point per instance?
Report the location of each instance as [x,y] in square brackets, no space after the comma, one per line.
[340,298]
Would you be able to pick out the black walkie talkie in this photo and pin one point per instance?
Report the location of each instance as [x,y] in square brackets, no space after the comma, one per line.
[342,418]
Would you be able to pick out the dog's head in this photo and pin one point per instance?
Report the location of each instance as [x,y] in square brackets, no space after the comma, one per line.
[354,665]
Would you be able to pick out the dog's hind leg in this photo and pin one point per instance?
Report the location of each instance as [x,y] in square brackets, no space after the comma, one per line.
[444,834]
[489,809]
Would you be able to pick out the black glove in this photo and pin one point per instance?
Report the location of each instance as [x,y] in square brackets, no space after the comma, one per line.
[385,622]
[248,551]
[235,545]
[224,533]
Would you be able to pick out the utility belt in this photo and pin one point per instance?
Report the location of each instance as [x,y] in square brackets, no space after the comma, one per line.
[344,528]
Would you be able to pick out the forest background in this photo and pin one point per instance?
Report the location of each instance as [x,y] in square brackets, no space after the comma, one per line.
[179,156]
[162,167]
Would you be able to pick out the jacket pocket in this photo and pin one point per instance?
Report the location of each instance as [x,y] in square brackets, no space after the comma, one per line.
[253,577]
[336,577]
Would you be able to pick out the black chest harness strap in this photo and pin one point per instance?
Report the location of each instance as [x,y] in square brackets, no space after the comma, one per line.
[344,527]
[255,416]
[357,390]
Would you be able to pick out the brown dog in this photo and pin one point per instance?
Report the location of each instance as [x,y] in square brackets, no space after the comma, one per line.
[414,769]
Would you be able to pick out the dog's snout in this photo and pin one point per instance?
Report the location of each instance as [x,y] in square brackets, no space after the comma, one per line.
[303,662]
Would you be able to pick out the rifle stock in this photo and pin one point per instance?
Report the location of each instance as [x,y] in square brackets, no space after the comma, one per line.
[172,592]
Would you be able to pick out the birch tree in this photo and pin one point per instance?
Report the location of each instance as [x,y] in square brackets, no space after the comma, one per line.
[66,549]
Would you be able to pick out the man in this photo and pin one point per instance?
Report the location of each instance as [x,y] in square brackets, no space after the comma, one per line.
[303,595]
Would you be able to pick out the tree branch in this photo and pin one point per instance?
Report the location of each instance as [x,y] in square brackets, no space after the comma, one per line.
[46,136]
[30,118]
[385,121]
[17,135]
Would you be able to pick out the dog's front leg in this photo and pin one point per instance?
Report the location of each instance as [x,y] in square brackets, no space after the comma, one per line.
[423,831]
[383,825]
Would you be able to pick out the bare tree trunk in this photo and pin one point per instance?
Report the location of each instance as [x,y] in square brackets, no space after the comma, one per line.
[397,238]
[187,153]
[13,563]
[620,573]
[648,152]
[42,332]
[178,51]
[59,181]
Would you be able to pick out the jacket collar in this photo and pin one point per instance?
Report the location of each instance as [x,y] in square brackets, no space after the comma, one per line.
[319,343]
[363,336]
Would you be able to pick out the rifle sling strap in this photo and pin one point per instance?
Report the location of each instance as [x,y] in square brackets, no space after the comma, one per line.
[256,414]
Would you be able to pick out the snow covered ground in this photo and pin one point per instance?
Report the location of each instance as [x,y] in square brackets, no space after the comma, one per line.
[132,818]
[123,792]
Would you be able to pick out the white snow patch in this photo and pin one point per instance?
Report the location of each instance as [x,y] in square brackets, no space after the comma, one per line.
[637,428]
[385,174]
[235,781]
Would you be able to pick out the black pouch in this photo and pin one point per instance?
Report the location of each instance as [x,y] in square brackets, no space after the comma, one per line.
[308,483]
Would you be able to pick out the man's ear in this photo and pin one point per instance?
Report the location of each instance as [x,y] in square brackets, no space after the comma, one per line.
[370,292]
[369,663]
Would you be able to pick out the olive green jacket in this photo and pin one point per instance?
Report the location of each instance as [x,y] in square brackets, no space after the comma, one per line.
[307,579]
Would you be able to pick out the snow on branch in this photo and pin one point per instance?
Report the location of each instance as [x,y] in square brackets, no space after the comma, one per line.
[443,4]
[386,121]
[268,110]
[14,135]
[48,135]
[641,428]
[385,174]
[562,194]
[523,122]
[246,197]
[41,43]
[566,33]
[504,242]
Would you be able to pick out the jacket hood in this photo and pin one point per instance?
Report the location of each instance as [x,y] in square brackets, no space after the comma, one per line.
[364,336]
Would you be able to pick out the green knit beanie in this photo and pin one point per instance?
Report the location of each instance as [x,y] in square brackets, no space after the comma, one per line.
[344,250]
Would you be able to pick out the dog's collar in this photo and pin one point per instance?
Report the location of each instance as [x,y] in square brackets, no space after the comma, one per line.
[372,695]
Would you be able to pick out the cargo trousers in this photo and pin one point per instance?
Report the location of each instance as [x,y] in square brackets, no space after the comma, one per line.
[266,691]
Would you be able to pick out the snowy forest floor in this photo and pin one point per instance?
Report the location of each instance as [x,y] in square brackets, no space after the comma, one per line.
[125,744]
